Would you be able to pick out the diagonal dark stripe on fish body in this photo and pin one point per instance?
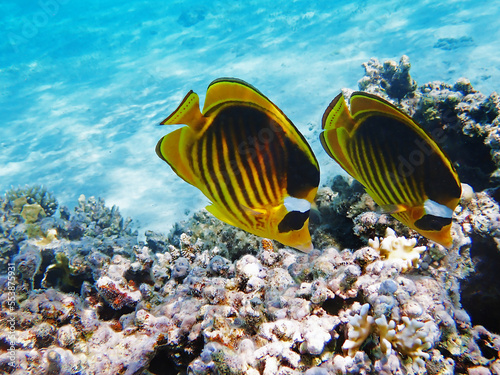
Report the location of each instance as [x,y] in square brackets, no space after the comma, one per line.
[397,161]
[240,164]
[250,128]
[384,166]
[243,173]
[247,158]
[225,176]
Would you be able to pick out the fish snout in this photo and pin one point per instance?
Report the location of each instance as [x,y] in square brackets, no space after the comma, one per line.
[307,247]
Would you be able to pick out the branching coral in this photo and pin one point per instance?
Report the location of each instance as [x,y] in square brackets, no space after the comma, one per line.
[398,248]
[100,219]
[409,338]
[387,333]
[360,329]
[412,340]
[36,194]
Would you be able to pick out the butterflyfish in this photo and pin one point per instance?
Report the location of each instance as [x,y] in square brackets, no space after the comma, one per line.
[401,167]
[247,158]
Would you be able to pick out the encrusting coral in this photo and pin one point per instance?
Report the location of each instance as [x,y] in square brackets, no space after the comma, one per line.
[389,78]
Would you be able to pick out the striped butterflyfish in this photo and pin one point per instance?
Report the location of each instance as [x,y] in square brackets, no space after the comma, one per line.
[247,158]
[401,167]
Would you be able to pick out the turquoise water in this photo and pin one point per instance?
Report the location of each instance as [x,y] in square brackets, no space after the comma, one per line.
[84,84]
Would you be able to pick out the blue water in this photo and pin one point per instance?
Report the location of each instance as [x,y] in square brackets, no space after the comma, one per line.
[83,85]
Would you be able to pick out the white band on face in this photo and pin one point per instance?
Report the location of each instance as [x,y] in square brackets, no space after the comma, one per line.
[436,209]
[297,204]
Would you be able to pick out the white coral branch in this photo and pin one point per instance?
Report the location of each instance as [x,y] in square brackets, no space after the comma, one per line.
[396,248]
[360,329]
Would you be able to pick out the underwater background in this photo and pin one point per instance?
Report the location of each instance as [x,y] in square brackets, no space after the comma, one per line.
[110,265]
[84,85]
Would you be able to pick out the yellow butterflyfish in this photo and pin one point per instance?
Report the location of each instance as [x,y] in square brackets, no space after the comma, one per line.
[401,167]
[247,158]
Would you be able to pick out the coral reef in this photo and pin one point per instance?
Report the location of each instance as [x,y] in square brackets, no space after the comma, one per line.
[36,197]
[181,304]
[342,199]
[465,123]
[408,338]
[82,295]
[390,77]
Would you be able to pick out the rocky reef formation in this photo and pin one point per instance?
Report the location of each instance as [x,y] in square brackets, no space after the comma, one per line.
[178,303]
[82,295]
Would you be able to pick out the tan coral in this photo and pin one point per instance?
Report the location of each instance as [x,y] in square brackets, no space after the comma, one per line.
[387,333]
[361,327]
[32,212]
[48,238]
[412,339]
[398,248]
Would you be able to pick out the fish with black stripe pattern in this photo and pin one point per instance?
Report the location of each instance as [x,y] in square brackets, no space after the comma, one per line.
[247,158]
[401,167]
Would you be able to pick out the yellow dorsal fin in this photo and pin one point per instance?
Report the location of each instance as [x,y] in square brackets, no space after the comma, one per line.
[362,102]
[338,124]
[225,90]
[187,113]
[337,115]
[171,148]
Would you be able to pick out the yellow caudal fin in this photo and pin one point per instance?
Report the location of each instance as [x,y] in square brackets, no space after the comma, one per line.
[338,124]
[224,90]
[187,113]
[171,148]
[362,103]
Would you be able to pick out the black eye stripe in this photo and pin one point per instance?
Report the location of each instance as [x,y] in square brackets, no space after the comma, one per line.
[431,222]
[293,220]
